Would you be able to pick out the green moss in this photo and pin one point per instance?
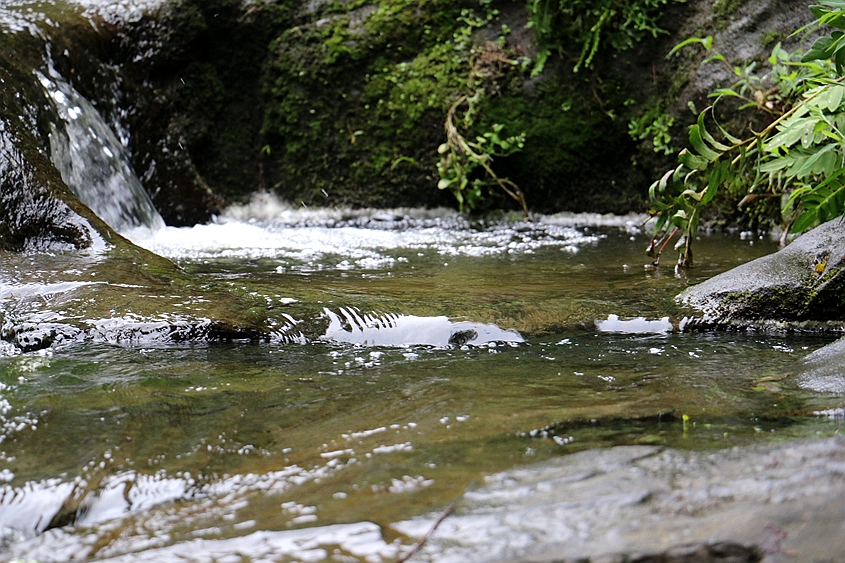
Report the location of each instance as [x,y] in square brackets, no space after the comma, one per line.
[366,92]
[772,38]
[723,8]
[358,101]
[571,156]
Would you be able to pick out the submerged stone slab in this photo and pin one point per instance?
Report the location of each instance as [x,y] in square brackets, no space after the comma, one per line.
[781,502]
[801,286]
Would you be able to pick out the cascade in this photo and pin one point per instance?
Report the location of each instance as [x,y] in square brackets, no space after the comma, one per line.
[93,162]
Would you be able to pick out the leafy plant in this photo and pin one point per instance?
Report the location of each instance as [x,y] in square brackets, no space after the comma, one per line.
[798,156]
[654,125]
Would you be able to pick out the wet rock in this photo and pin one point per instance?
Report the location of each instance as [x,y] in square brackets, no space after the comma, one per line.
[801,286]
[823,371]
[770,503]
[37,210]
[119,295]
[330,104]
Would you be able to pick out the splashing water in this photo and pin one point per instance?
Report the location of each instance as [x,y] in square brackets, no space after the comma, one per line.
[366,239]
[92,161]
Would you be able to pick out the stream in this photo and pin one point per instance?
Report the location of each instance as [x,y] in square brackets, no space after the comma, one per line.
[451,352]
[533,376]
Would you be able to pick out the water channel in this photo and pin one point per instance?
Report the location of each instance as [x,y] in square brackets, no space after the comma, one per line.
[451,352]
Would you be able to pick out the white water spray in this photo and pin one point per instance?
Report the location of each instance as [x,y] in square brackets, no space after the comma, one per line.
[93,163]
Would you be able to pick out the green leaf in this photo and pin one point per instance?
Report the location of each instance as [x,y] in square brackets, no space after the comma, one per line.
[693,161]
[724,92]
[729,137]
[835,19]
[809,163]
[833,95]
[822,49]
[818,11]
[699,145]
[717,177]
[792,132]
[804,222]
[661,222]
[776,165]
[708,137]
[797,194]
[828,164]
[693,194]
[706,42]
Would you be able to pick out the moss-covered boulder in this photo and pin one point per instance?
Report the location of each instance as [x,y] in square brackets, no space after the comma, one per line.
[346,103]
[359,95]
[801,286]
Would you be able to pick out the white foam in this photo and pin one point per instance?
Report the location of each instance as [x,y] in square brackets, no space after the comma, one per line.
[364,239]
[637,325]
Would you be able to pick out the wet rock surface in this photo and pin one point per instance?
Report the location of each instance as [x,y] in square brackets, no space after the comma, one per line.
[824,371]
[801,286]
[33,213]
[37,210]
[780,502]
[120,295]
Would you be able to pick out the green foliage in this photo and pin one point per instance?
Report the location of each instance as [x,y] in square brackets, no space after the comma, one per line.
[590,24]
[460,159]
[654,125]
[798,156]
[368,86]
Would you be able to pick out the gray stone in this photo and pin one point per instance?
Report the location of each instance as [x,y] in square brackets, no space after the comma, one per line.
[772,503]
[801,286]
[823,371]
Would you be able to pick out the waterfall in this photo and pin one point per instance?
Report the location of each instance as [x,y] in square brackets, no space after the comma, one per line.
[92,161]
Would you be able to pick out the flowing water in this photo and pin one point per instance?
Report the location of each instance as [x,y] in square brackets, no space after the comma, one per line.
[412,354]
[449,352]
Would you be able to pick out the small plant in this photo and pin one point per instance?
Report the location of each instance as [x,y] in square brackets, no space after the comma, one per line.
[654,125]
[460,159]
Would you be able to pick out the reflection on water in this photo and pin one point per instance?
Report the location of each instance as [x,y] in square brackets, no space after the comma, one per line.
[445,359]
[351,327]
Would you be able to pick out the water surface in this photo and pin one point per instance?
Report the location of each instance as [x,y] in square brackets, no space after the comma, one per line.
[311,449]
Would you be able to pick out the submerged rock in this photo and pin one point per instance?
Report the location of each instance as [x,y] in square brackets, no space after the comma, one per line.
[801,286]
[641,503]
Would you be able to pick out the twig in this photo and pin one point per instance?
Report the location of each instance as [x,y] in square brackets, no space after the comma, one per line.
[421,542]
[779,120]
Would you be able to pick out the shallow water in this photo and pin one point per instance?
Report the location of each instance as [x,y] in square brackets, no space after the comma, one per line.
[310,450]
